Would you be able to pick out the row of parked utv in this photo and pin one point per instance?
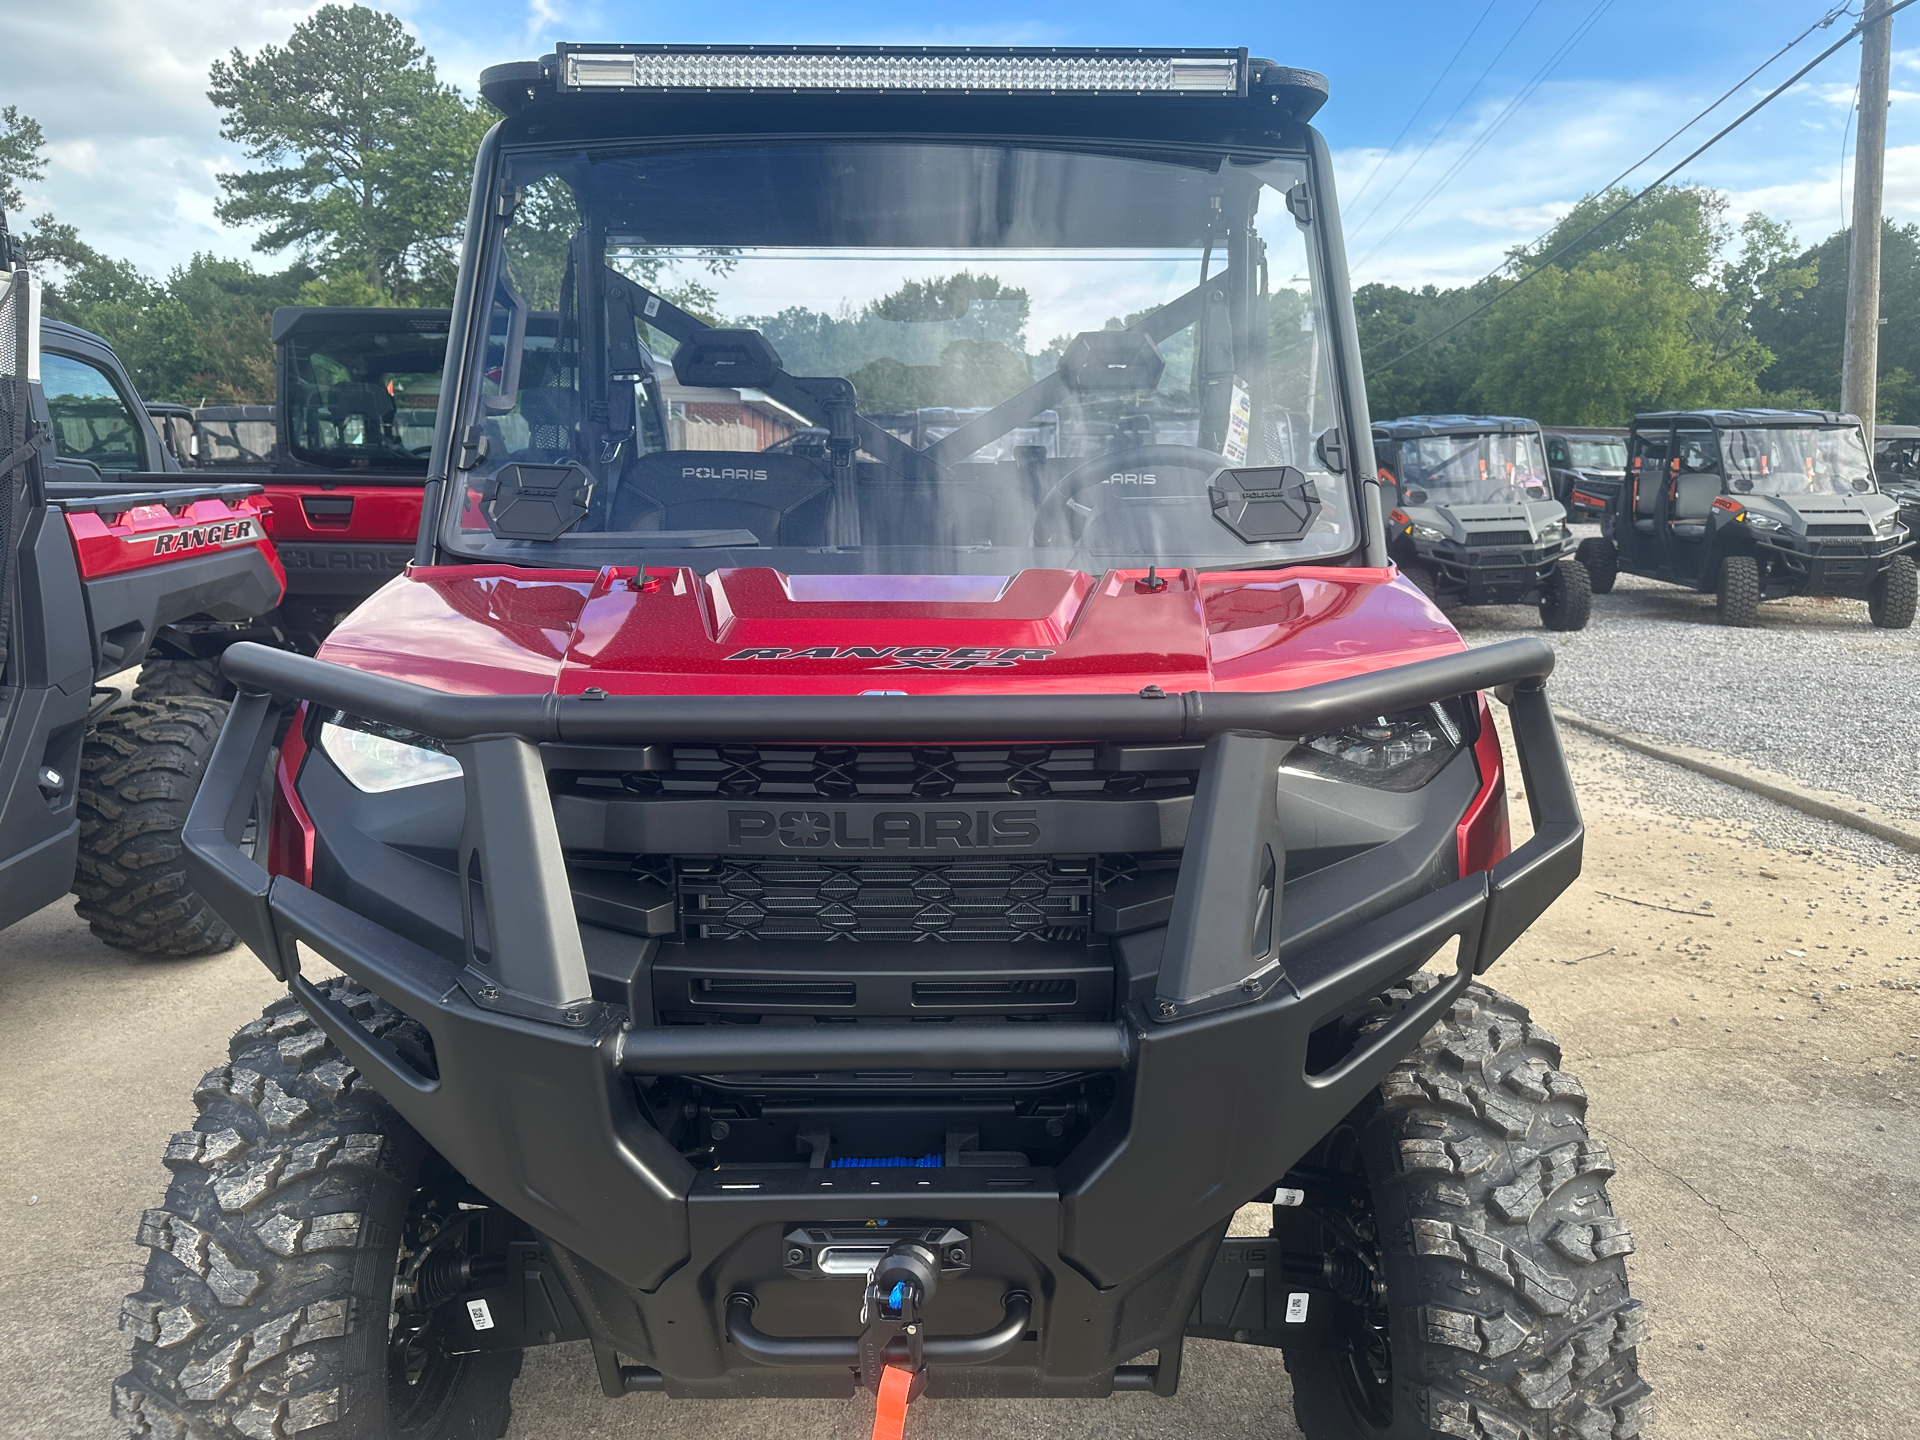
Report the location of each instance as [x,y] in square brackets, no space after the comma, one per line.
[1745,505]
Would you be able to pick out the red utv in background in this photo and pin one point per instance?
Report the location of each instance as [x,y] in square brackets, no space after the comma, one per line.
[94,790]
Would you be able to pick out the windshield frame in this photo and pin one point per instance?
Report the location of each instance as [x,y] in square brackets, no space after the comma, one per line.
[458,432]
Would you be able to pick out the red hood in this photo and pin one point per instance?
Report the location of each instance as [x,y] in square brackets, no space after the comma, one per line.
[488,630]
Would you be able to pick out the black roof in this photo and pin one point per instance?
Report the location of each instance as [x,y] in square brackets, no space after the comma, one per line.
[359,319]
[1413,427]
[1745,419]
[1271,99]
[1896,432]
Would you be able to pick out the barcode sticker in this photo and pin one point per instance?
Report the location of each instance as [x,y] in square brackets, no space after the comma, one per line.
[482,1317]
[653,306]
[1297,1308]
[1284,1196]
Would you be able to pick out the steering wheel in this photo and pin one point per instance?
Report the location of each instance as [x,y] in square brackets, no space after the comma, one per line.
[1143,472]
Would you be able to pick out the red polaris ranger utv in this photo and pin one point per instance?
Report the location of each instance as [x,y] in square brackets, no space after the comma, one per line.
[94,789]
[900,792]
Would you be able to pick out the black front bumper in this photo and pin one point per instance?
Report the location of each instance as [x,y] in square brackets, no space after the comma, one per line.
[1819,565]
[1495,574]
[533,1093]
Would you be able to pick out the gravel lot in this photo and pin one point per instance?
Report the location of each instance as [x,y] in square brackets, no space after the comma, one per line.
[1814,691]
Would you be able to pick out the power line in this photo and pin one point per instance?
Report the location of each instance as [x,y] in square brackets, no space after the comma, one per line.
[1439,80]
[1728,129]
[1526,93]
[1434,139]
[1822,23]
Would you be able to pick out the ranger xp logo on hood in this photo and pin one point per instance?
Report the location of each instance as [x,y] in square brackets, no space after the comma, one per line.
[904,657]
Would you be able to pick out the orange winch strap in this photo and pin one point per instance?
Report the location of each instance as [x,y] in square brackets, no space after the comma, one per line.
[890,1415]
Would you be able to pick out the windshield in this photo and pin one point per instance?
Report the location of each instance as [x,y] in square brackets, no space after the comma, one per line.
[903,358]
[365,398]
[1824,460]
[241,436]
[1473,470]
[1597,454]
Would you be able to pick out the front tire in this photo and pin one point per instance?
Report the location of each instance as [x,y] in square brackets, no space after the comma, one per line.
[1738,595]
[1463,1206]
[139,769]
[1602,562]
[1424,579]
[1569,599]
[1890,603]
[164,676]
[268,1307]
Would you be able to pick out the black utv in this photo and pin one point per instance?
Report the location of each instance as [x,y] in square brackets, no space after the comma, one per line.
[1587,463]
[1475,522]
[1896,469]
[1753,505]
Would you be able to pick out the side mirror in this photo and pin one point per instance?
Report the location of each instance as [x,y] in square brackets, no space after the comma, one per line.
[1331,447]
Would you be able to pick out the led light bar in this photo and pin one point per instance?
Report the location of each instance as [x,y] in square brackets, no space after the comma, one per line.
[991,71]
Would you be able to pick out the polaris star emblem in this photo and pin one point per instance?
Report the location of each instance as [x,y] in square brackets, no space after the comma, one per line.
[218,535]
[903,657]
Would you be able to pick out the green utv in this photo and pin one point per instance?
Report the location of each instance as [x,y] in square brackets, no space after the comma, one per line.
[1753,505]
[1475,521]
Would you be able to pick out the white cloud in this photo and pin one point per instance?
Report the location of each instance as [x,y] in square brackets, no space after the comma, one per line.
[1572,138]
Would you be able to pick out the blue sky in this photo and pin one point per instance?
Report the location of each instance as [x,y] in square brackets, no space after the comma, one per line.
[119,87]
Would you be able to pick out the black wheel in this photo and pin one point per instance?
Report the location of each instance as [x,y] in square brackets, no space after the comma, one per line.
[1602,563]
[270,1305]
[1890,602]
[161,677]
[1460,1214]
[1739,590]
[1569,599]
[139,769]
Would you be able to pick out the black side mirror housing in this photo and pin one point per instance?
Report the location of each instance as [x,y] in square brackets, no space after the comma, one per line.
[1331,447]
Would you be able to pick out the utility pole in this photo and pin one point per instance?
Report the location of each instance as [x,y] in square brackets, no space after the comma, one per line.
[1860,367]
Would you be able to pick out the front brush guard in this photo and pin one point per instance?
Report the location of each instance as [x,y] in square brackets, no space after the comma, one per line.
[530,1099]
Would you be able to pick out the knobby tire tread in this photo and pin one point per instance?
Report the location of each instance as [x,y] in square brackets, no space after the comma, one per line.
[1505,1263]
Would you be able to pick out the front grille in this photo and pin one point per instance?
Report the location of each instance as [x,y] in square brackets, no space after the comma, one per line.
[1842,547]
[843,772]
[953,901]
[1839,530]
[1499,537]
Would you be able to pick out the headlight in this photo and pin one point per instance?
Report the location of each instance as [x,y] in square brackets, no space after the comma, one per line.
[1760,522]
[377,758]
[1392,752]
[1554,530]
[1425,532]
[1888,526]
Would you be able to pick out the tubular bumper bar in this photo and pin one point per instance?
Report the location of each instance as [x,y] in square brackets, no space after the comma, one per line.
[904,719]
[841,1350]
[528,1098]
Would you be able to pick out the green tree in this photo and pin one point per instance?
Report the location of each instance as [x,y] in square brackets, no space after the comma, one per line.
[366,153]
[1804,323]
[21,163]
